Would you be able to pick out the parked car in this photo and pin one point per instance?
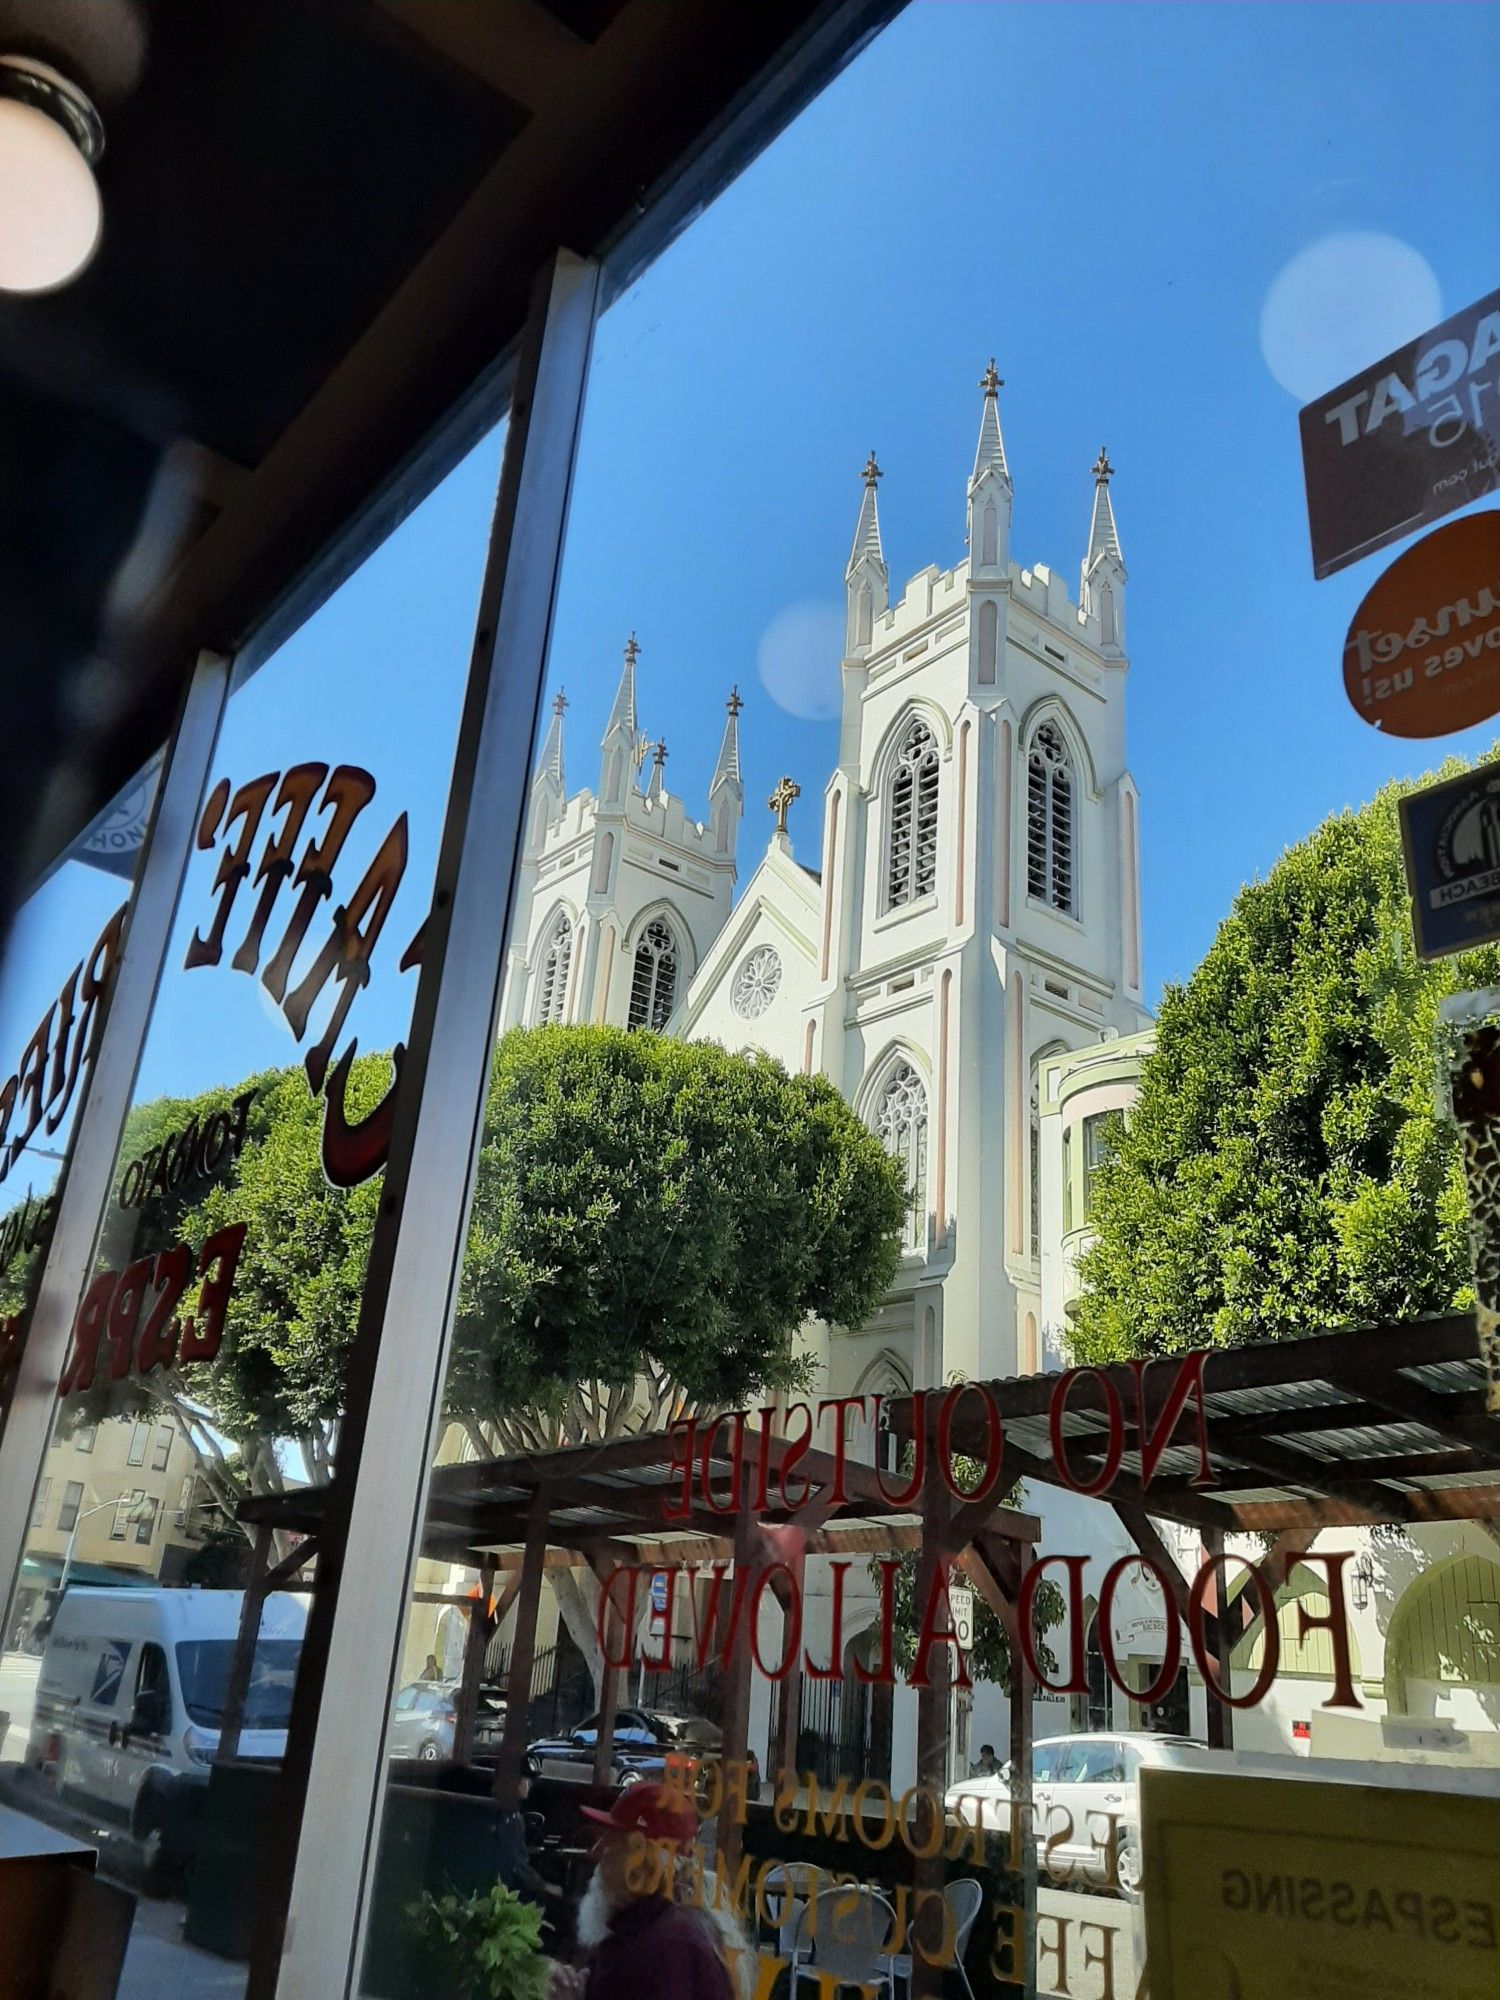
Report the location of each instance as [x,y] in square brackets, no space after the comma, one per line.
[644,1740]
[1076,1783]
[130,1698]
[424,1723]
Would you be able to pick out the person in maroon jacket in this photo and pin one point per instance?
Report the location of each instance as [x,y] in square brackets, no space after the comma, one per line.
[642,1946]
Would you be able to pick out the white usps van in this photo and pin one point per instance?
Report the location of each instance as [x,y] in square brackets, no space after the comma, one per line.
[131,1695]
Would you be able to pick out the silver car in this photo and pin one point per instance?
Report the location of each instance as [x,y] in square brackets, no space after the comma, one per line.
[423,1721]
[1081,1788]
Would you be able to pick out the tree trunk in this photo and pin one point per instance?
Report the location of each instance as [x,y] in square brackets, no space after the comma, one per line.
[577,1593]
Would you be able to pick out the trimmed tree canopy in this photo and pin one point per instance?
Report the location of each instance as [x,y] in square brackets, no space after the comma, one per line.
[648,1214]
[1285,1168]
[642,1200]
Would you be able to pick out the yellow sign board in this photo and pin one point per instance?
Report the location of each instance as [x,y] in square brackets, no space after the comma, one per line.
[1260,1888]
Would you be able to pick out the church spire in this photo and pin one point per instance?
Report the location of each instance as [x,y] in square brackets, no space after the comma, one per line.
[548,790]
[622,715]
[726,791]
[621,744]
[1104,537]
[989,455]
[1102,589]
[866,579]
[551,763]
[989,487]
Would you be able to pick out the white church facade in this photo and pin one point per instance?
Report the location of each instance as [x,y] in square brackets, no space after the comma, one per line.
[975,909]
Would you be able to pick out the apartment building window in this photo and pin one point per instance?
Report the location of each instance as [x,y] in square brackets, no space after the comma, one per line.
[139,1438]
[163,1449]
[83,1437]
[126,1510]
[67,1514]
[145,1522]
[43,1493]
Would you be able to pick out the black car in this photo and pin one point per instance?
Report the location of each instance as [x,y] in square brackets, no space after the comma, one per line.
[644,1739]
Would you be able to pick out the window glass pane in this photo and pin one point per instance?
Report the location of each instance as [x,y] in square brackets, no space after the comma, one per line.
[879,777]
[207,1363]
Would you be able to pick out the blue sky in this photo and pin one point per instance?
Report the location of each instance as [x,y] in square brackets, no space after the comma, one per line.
[1102,197]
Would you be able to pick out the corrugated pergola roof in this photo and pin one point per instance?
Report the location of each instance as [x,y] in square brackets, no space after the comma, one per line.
[1382,1423]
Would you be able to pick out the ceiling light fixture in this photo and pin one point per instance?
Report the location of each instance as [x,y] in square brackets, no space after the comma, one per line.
[51,216]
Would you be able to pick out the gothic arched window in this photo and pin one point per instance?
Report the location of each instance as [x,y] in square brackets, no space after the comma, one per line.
[1049,820]
[552,979]
[653,989]
[901,1127]
[911,855]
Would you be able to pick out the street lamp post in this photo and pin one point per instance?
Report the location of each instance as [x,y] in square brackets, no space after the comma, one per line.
[137,1513]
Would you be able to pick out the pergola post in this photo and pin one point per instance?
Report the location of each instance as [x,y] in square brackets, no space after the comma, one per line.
[997,1567]
[1220,1714]
[789,1726]
[523,1653]
[476,1640]
[736,1731]
[934,1702]
[609,1704]
[243,1659]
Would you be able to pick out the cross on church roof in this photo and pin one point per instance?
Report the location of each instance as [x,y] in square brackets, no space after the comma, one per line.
[780,801]
[734,703]
[1101,467]
[661,752]
[872,471]
[560,702]
[632,651]
[989,381]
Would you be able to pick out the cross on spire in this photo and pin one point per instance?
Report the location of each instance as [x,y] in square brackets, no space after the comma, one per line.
[1101,468]
[780,801]
[872,471]
[632,651]
[989,381]
[660,756]
[734,703]
[560,703]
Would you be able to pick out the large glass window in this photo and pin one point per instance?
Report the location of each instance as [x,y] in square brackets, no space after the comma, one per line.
[206,1368]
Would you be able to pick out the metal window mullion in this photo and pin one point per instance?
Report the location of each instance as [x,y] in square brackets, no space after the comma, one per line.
[105,1101]
[376,1503]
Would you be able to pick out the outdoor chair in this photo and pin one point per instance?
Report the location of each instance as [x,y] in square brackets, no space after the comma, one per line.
[789,1887]
[965,1899]
[846,1933]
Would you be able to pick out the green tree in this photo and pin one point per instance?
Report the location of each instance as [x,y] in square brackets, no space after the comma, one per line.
[1286,1167]
[653,1221]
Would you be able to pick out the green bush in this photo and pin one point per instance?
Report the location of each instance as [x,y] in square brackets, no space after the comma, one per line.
[489,1942]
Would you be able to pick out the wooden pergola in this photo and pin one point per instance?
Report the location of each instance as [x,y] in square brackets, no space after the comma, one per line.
[1385,1424]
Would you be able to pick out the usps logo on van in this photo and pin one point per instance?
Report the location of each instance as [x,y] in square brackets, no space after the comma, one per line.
[110,1671]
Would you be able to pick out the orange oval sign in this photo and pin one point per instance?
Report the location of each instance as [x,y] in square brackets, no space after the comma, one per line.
[1423,654]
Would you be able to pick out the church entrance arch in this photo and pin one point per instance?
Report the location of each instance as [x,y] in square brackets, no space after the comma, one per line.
[1442,1654]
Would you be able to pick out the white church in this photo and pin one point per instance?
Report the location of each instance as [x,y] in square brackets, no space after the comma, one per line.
[976,909]
[965,966]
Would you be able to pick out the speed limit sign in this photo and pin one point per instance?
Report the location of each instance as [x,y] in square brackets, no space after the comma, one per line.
[962,1601]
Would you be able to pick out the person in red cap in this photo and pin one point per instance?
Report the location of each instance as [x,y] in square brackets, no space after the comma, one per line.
[639,1943]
